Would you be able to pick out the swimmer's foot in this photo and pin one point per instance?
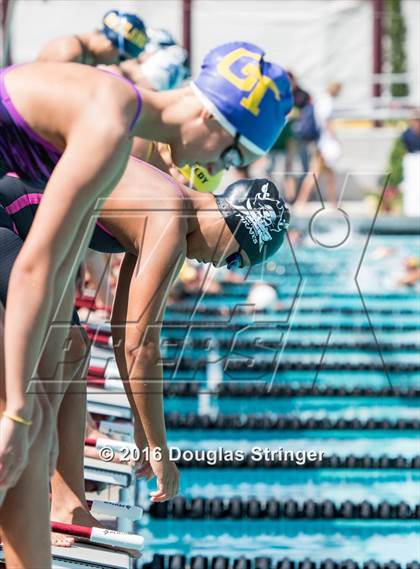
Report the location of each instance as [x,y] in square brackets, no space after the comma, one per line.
[92,432]
[61,540]
[92,452]
[80,515]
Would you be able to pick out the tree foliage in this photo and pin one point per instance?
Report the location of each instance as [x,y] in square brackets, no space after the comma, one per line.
[396,31]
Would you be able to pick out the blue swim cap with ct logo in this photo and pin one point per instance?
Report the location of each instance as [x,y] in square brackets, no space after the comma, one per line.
[245,93]
[126,31]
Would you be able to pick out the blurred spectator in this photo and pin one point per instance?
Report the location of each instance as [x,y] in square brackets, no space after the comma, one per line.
[401,181]
[302,103]
[328,148]
[295,136]
[411,136]
[301,97]
[411,167]
[284,145]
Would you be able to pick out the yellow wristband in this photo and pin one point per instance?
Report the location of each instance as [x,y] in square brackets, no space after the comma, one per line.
[18,419]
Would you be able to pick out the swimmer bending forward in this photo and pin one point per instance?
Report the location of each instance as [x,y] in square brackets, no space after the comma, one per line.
[69,128]
[157,223]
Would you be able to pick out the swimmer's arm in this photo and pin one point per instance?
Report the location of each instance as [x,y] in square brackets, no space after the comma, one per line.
[119,321]
[66,49]
[144,305]
[87,169]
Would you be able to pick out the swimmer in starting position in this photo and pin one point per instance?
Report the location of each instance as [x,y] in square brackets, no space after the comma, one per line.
[69,128]
[241,227]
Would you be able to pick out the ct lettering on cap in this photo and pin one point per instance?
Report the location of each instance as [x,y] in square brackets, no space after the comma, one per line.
[252,82]
[247,94]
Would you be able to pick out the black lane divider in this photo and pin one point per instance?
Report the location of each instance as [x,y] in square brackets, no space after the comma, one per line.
[248,460]
[209,326]
[178,561]
[241,291]
[268,390]
[267,326]
[236,508]
[251,364]
[103,338]
[241,308]
[261,343]
[259,422]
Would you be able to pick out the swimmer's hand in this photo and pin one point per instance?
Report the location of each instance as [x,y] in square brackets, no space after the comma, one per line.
[14,448]
[142,466]
[167,476]
[15,441]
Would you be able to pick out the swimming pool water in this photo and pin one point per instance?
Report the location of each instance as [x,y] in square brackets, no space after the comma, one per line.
[321,279]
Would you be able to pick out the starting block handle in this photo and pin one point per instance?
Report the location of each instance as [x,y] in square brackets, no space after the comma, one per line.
[116,510]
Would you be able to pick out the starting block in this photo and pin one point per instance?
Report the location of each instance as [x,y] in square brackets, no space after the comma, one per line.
[120,475]
[88,557]
[81,556]
[108,404]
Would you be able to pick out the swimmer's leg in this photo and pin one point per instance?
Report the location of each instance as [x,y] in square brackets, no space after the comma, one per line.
[309,180]
[68,492]
[66,385]
[24,515]
[68,503]
[97,265]
[331,184]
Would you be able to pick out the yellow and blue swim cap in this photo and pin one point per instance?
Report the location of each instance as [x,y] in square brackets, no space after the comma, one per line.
[245,93]
[126,31]
[198,177]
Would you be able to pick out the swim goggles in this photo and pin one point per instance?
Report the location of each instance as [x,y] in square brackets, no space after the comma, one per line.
[234,261]
[232,156]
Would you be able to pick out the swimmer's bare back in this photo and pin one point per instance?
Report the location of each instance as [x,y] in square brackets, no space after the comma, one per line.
[52,98]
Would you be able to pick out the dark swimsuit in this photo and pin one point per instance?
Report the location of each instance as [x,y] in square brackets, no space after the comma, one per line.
[18,205]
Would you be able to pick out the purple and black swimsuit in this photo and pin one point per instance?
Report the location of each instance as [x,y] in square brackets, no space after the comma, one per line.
[26,163]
